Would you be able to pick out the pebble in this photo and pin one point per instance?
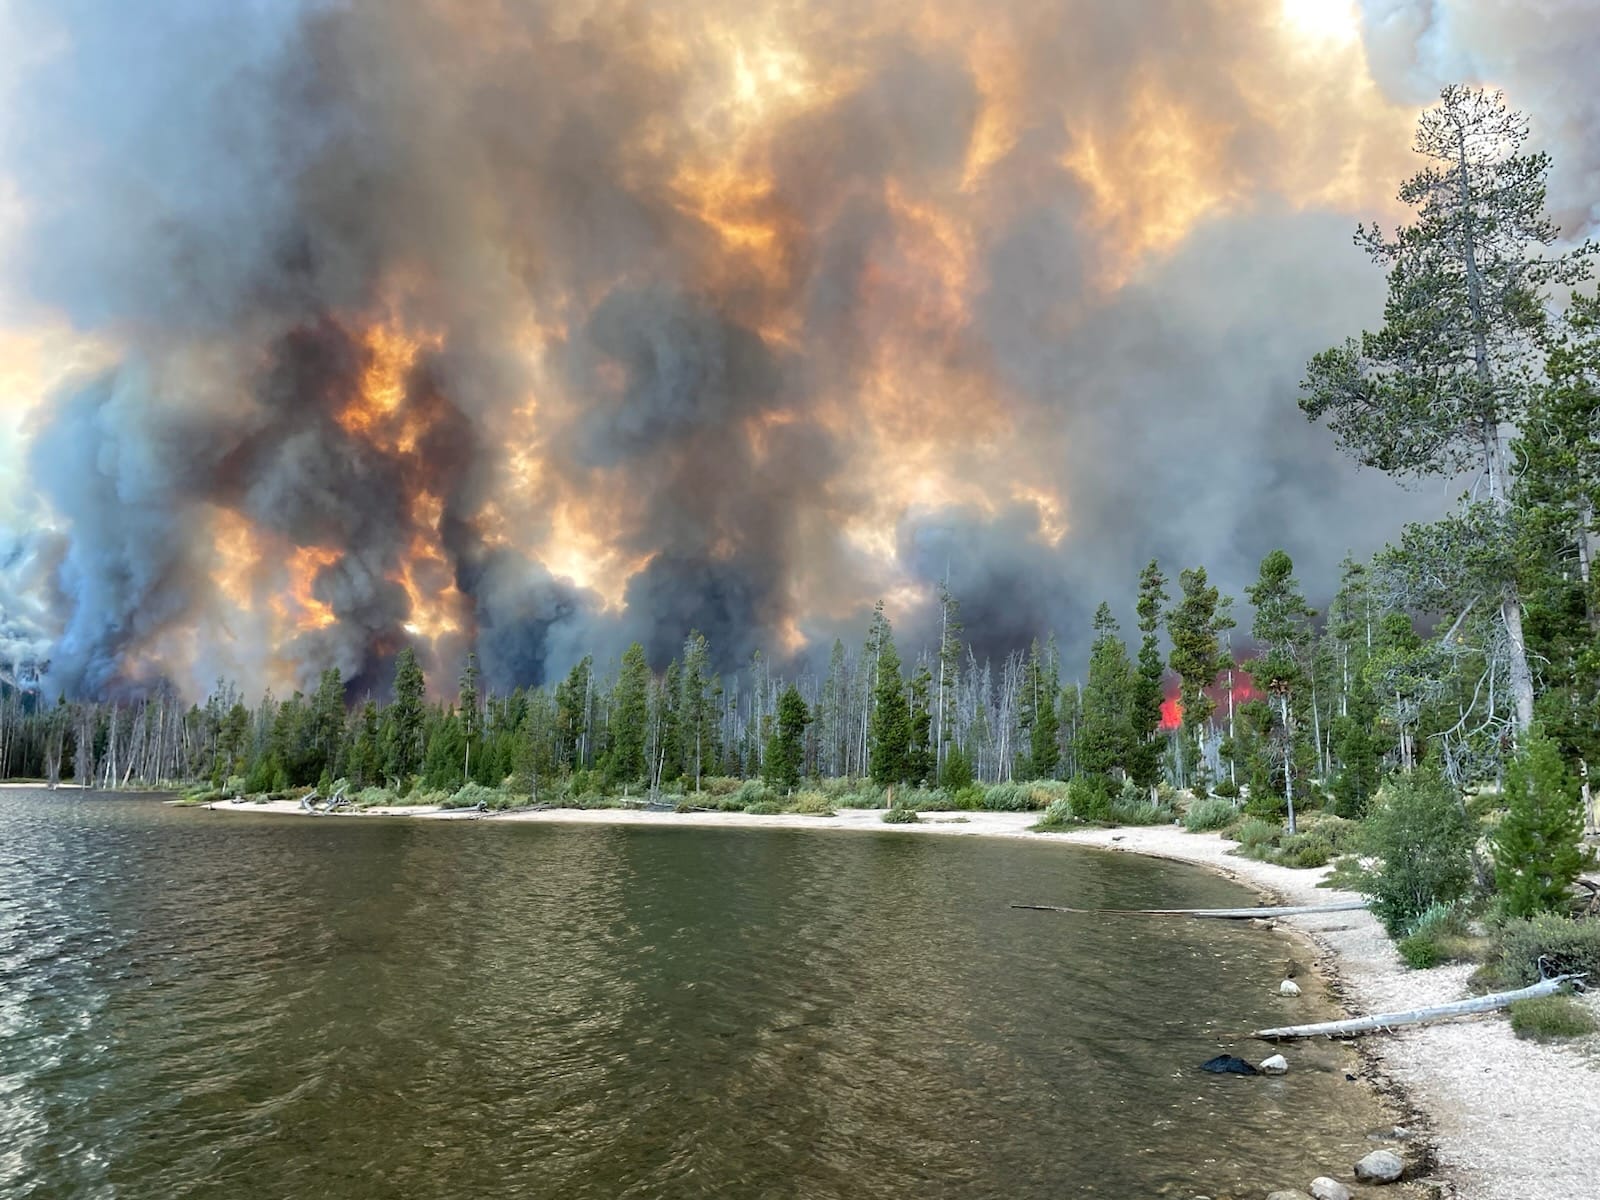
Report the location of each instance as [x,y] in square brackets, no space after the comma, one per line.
[1323,1188]
[1288,988]
[1276,1065]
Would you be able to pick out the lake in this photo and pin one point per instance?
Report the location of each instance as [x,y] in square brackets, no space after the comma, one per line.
[201,1004]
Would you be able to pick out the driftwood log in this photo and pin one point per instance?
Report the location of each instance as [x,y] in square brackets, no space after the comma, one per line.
[1416,1016]
[1221,914]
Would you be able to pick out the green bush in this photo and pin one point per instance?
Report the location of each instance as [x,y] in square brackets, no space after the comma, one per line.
[1546,1018]
[868,798]
[1255,833]
[900,816]
[717,785]
[1057,815]
[1090,797]
[1536,851]
[1422,842]
[1227,789]
[472,794]
[922,799]
[1207,814]
[1435,936]
[813,804]
[374,797]
[754,791]
[1567,946]
[1007,797]
[764,808]
[1138,811]
[1420,951]
[969,798]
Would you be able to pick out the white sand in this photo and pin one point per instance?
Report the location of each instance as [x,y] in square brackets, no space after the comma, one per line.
[1509,1120]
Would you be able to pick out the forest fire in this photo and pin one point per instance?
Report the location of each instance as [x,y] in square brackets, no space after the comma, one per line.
[1242,686]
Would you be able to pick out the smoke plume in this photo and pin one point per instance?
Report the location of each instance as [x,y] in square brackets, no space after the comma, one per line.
[532,328]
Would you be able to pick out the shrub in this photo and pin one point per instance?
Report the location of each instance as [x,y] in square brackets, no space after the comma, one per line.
[1545,1018]
[1536,852]
[1090,797]
[863,799]
[764,808]
[1422,842]
[1227,789]
[1567,946]
[1255,833]
[717,785]
[813,804]
[1138,811]
[1435,936]
[922,799]
[1304,851]
[471,794]
[969,798]
[1006,797]
[754,791]
[1420,951]
[900,816]
[1056,816]
[372,797]
[1210,813]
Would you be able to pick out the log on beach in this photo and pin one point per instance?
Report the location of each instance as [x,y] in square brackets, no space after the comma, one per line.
[1415,1016]
[1221,914]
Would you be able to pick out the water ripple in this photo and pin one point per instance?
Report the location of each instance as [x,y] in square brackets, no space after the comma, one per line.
[197,1005]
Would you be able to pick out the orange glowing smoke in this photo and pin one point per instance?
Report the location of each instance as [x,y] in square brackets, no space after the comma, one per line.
[305,564]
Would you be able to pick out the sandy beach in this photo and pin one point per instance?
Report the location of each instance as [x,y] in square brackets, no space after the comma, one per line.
[1507,1119]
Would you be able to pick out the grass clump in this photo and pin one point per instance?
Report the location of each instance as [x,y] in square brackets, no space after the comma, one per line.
[1549,1018]
[1211,813]
[901,816]
[1439,935]
[764,808]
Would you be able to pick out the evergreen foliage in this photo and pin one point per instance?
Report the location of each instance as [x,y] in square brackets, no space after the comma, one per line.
[1536,852]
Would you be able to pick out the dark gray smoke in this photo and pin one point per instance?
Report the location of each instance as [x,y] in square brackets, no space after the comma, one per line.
[782,311]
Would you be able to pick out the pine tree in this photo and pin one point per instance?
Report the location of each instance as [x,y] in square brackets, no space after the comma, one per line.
[1144,765]
[630,702]
[1106,740]
[1536,845]
[891,717]
[785,754]
[405,719]
[1195,627]
[1433,391]
[919,744]
[1282,626]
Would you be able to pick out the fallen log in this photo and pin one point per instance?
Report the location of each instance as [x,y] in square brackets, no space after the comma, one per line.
[1221,914]
[1415,1016]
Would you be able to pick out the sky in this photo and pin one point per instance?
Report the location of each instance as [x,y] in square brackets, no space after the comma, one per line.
[536,328]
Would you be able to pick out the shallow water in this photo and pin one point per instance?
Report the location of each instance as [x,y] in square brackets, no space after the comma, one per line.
[206,1004]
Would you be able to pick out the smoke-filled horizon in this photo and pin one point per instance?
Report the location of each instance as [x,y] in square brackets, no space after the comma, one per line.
[534,328]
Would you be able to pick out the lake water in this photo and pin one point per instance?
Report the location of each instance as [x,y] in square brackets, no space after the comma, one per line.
[201,1004]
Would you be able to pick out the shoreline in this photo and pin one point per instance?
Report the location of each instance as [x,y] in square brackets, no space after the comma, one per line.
[1499,1118]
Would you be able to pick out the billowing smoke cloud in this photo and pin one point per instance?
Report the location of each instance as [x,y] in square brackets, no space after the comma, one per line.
[533,328]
